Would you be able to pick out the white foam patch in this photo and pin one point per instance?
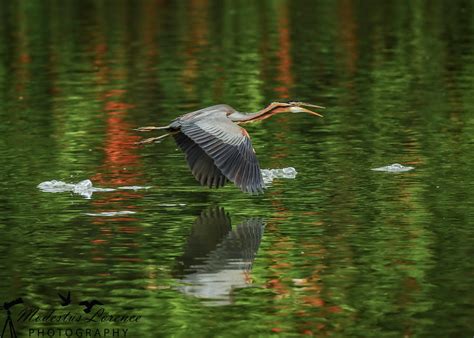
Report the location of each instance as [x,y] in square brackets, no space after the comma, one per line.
[394,168]
[172,204]
[134,187]
[270,174]
[83,188]
[111,213]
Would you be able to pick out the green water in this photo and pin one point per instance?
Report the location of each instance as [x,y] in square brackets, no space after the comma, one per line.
[341,250]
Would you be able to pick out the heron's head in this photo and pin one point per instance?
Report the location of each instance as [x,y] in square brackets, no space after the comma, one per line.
[295,107]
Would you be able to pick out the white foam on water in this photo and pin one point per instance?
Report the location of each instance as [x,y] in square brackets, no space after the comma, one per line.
[270,174]
[172,204]
[86,189]
[134,187]
[111,213]
[83,188]
[394,168]
[55,186]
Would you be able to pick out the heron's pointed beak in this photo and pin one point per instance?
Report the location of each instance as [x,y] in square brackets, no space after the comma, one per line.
[311,105]
[304,110]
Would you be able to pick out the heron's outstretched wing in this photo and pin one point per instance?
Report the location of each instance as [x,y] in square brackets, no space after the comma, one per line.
[229,147]
[201,165]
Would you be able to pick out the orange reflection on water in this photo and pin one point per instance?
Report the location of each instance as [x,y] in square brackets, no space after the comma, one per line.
[22,76]
[121,163]
[285,78]
[348,36]
[120,168]
[198,39]
[307,296]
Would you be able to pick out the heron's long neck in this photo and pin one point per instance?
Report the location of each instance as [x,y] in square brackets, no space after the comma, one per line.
[249,117]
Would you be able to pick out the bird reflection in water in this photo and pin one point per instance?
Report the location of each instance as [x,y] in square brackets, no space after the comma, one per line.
[217,258]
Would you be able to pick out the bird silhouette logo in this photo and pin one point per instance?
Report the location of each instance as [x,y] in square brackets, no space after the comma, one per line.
[8,322]
[65,301]
[89,305]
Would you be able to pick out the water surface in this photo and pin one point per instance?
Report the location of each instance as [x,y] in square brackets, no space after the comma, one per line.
[340,250]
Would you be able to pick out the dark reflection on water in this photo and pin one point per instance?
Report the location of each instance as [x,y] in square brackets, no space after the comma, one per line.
[347,251]
[217,258]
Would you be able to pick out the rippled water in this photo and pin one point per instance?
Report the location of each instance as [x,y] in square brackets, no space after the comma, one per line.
[338,250]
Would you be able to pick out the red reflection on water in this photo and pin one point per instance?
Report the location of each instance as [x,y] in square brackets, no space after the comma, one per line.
[24,58]
[120,167]
[306,296]
[348,36]
[285,78]
[22,76]
[121,163]
[196,40]
[120,144]
[128,229]
[98,241]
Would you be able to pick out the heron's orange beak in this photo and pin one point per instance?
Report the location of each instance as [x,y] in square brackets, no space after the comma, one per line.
[310,105]
[298,108]
[304,110]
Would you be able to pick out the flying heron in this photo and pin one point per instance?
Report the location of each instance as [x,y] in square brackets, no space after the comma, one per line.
[217,149]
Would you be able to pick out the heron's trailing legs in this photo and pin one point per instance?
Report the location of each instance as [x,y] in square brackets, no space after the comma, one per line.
[153,139]
[150,128]
[156,139]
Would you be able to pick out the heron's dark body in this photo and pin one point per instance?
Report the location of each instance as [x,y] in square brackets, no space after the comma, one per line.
[217,150]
